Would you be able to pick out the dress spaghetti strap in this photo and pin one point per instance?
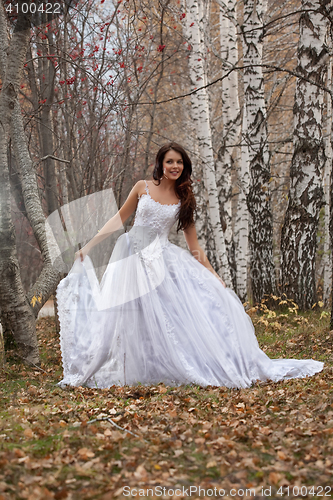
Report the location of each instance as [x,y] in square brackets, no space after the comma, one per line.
[147,189]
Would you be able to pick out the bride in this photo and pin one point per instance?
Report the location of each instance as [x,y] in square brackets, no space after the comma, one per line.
[160,313]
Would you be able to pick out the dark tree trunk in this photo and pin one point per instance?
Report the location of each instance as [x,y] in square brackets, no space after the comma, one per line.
[16,313]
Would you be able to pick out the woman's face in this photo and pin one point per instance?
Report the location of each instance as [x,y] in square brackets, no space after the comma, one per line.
[173,165]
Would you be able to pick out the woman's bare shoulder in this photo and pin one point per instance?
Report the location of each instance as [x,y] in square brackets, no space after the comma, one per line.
[140,187]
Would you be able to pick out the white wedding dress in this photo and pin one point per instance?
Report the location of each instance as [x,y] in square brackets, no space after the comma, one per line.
[158,315]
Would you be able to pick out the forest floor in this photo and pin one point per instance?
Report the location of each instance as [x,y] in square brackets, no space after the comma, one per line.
[273,440]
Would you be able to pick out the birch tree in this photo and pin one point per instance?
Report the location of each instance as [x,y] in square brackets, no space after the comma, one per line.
[331,231]
[328,139]
[227,153]
[258,196]
[241,231]
[201,119]
[299,232]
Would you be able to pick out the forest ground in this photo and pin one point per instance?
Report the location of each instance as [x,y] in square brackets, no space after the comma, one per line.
[272,435]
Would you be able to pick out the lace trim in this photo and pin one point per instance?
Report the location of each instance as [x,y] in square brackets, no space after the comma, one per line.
[67,334]
[161,204]
[153,215]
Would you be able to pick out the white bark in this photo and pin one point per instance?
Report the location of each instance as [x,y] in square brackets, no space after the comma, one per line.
[258,196]
[201,118]
[241,231]
[299,232]
[231,127]
[327,260]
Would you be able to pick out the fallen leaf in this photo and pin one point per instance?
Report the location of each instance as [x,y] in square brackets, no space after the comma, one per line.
[28,433]
[85,453]
[211,464]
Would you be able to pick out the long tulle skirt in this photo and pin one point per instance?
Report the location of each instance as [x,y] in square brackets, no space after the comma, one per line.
[159,316]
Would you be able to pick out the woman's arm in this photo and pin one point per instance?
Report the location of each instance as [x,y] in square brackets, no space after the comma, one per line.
[116,221]
[196,250]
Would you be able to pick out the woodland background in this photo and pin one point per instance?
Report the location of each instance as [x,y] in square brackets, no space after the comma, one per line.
[86,100]
[89,96]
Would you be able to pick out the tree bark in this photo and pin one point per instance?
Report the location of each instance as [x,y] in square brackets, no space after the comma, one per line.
[327,260]
[201,119]
[15,310]
[241,232]
[258,197]
[331,236]
[299,232]
[231,129]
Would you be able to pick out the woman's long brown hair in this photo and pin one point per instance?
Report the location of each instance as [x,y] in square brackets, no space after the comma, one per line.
[183,185]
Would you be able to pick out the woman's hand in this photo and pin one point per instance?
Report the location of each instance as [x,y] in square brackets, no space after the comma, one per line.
[80,254]
[197,252]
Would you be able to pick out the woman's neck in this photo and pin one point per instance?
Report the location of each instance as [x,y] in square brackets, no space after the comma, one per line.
[168,184]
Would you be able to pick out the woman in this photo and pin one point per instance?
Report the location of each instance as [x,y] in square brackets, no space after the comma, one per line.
[161,314]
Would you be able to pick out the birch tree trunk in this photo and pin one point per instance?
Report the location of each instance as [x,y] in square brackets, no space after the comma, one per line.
[299,232]
[331,231]
[16,313]
[201,119]
[231,128]
[241,232]
[327,260]
[258,196]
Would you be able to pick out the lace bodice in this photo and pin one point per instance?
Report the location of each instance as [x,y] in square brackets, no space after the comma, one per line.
[155,216]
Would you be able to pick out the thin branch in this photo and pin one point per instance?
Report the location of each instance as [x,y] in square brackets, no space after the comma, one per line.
[30,363]
[235,68]
[53,158]
[108,419]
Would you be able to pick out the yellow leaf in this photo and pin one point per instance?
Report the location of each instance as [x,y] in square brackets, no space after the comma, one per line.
[157,467]
[263,321]
[35,299]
